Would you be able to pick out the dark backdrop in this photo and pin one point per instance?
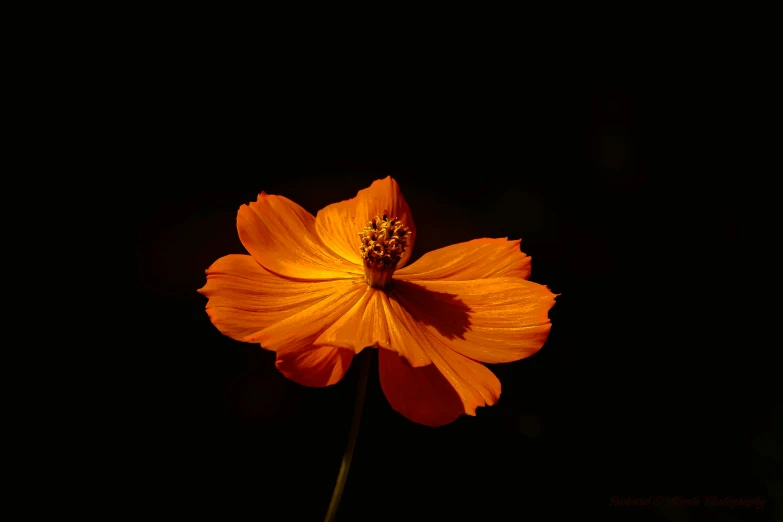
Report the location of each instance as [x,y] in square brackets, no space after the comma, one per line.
[656,379]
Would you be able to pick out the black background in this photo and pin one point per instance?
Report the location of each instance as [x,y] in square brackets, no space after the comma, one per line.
[657,378]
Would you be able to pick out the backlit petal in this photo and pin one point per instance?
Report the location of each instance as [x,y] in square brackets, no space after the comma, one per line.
[437,394]
[315,366]
[377,322]
[477,259]
[339,224]
[491,320]
[244,297]
[301,329]
[281,236]
[336,226]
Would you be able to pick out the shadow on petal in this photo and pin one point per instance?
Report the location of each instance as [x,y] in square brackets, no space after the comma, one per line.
[447,313]
[421,394]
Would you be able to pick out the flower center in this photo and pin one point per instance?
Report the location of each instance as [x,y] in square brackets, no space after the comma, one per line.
[383,242]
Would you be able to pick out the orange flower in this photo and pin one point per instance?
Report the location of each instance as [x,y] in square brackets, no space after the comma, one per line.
[318,290]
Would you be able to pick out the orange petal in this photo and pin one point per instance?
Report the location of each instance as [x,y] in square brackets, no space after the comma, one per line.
[377,322]
[281,236]
[421,394]
[437,394]
[244,297]
[336,226]
[339,224]
[491,320]
[477,259]
[316,367]
[300,330]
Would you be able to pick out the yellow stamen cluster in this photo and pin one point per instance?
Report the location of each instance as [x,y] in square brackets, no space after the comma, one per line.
[383,241]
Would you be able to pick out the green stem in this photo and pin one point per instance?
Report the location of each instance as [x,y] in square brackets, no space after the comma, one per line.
[354,433]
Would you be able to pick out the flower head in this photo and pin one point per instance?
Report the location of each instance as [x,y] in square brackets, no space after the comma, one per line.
[318,290]
[383,243]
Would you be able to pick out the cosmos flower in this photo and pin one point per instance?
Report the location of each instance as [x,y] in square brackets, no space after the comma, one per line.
[319,290]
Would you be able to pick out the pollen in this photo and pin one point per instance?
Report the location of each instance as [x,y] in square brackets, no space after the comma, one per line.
[383,242]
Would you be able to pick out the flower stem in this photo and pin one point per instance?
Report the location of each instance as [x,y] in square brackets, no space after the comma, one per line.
[357,417]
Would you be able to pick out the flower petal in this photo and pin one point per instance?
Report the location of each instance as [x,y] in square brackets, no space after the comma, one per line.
[315,367]
[336,226]
[244,297]
[300,330]
[377,322]
[339,224]
[476,259]
[281,236]
[493,320]
[437,394]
